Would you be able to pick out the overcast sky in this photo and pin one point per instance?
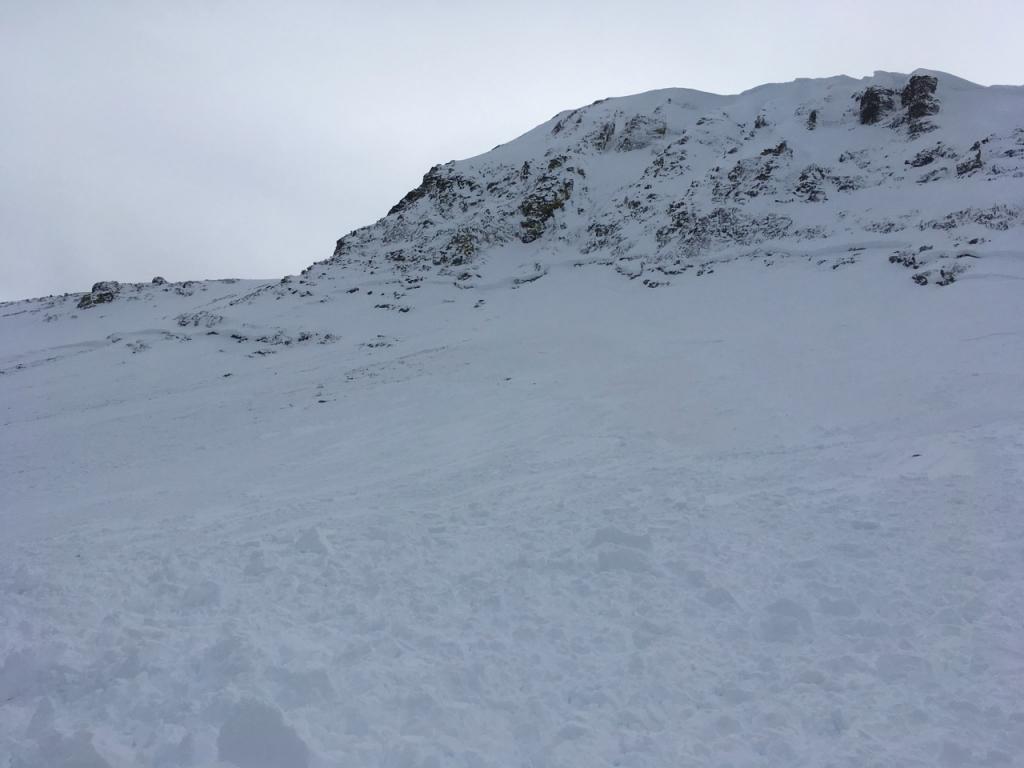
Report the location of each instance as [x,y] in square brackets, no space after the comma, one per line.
[241,139]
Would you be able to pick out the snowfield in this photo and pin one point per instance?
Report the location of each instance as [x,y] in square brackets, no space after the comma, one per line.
[768,516]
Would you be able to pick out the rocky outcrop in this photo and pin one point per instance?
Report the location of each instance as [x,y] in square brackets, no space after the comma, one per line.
[671,179]
[550,195]
[640,132]
[918,97]
[101,293]
[200,319]
[930,155]
[875,103]
[917,102]
[442,185]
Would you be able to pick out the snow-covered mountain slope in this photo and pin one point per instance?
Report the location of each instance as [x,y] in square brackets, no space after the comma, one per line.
[925,171]
[927,167]
[471,493]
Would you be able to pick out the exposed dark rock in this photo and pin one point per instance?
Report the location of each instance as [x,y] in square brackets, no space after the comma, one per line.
[202,318]
[934,175]
[875,102]
[971,164]
[188,287]
[538,271]
[547,197]
[928,156]
[671,161]
[905,259]
[440,184]
[601,138]
[812,120]
[948,275]
[159,281]
[461,248]
[810,185]
[731,225]
[561,124]
[918,97]
[602,236]
[639,132]
[750,177]
[777,150]
[101,293]
[861,158]
[412,196]
[998,217]
[681,219]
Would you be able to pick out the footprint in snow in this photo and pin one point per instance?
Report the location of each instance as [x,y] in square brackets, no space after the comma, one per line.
[311,542]
[786,621]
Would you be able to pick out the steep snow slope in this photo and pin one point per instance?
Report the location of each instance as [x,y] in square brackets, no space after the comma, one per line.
[546,515]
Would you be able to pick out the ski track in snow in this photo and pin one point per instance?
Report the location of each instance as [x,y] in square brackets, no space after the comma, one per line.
[770,517]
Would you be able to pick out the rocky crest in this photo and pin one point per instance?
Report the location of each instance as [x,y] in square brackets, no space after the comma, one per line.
[677,179]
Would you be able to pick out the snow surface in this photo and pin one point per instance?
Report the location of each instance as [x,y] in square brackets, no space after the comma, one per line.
[766,516]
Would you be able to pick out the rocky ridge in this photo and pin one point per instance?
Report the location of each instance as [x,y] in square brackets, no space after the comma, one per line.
[675,181]
[924,171]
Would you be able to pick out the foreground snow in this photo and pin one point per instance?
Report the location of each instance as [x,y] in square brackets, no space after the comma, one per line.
[770,516]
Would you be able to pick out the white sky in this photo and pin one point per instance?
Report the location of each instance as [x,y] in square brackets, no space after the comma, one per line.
[241,139]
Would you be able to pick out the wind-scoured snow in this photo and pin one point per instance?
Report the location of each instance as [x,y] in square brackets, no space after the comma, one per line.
[531,475]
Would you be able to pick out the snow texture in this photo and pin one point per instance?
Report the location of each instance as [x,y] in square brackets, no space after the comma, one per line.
[552,468]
